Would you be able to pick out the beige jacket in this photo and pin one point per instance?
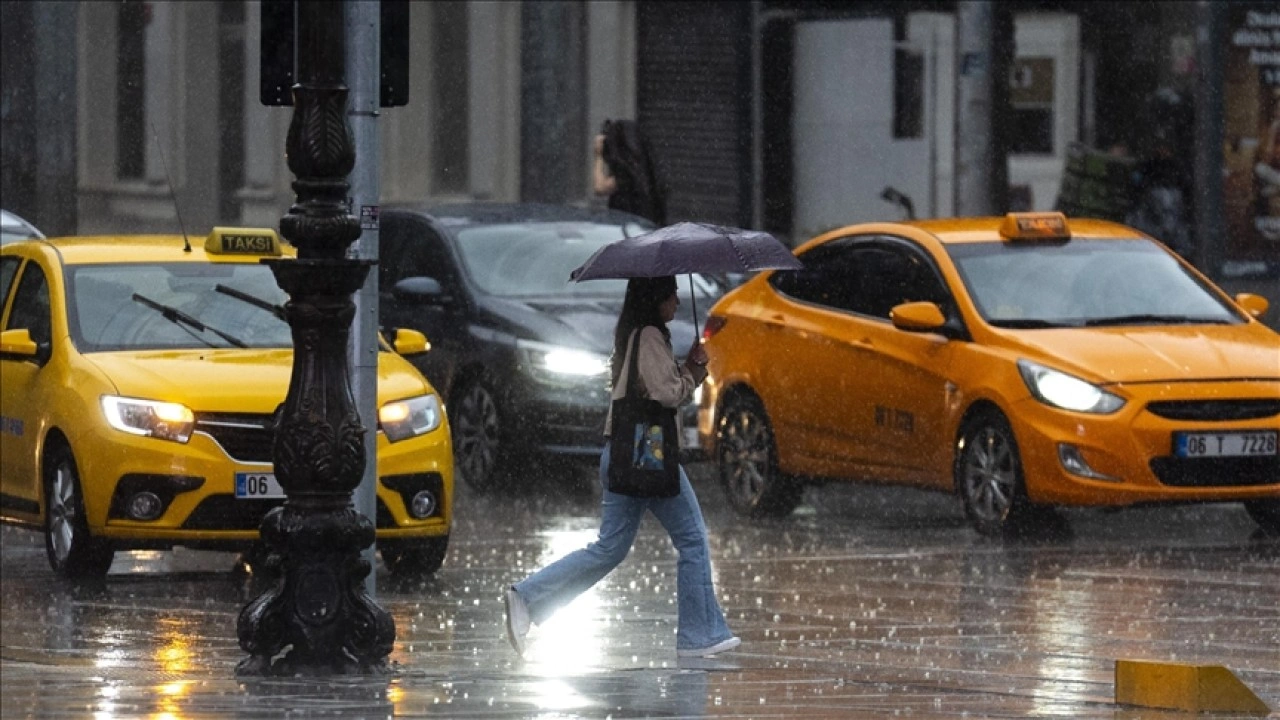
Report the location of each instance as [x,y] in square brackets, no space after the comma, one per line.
[660,377]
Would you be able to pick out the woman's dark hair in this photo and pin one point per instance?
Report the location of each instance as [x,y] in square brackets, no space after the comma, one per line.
[640,189]
[641,307]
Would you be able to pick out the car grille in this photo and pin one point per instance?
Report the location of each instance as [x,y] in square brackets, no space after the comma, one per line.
[1215,409]
[225,512]
[1217,472]
[247,438]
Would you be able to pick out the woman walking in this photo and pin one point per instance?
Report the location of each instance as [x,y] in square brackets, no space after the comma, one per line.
[649,305]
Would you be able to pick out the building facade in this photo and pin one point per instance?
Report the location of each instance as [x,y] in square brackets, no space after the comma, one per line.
[790,116]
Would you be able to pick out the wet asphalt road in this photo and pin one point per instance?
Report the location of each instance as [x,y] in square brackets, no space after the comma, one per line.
[869,602]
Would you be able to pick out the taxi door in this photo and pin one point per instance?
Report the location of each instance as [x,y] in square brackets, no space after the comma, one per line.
[26,306]
[815,385]
[904,395]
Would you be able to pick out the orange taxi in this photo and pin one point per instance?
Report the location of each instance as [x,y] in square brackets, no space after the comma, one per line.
[1018,361]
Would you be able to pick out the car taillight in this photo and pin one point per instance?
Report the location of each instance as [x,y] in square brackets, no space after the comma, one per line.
[713,326]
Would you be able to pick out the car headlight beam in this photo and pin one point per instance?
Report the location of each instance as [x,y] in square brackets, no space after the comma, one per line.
[554,363]
[1056,388]
[404,419]
[149,418]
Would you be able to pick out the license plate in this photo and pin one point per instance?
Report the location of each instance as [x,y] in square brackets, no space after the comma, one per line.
[254,486]
[1225,444]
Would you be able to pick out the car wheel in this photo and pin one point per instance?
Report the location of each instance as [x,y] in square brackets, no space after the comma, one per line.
[747,461]
[475,423]
[73,553]
[1267,514]
[416,558]
[988,473]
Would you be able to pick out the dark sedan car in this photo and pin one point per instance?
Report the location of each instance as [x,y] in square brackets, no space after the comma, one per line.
[519,352]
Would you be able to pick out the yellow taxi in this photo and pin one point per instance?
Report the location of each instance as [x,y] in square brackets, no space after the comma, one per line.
[1019,361]
[138,377]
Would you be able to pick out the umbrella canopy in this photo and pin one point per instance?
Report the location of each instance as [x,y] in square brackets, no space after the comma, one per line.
[687,247]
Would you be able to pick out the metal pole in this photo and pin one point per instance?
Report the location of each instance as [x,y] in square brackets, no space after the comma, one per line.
[974,87]
[317,619]
[363,23]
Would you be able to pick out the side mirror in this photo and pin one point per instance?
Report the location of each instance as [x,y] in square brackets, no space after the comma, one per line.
[1255,305]
[410,342]
[18,344]
[420,290]
[918,317]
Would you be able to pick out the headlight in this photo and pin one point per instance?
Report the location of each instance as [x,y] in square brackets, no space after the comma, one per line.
[555,364]
[1064,391]
[149,418]
[403,419]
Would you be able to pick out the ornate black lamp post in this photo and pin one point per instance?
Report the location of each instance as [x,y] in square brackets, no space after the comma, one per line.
[318,619]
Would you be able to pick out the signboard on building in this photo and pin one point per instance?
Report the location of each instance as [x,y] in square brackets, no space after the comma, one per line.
[1251,125]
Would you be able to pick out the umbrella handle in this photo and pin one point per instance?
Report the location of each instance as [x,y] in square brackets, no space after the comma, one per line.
[693,301]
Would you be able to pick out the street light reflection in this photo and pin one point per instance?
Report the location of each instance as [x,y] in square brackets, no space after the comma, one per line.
[174,654]
[572,638]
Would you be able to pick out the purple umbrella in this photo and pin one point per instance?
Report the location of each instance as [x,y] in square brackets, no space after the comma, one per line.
[687,247]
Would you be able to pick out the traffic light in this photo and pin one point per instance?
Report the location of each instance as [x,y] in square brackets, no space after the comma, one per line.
[279,52]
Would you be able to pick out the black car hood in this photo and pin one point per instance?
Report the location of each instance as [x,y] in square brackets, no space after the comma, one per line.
[585,323]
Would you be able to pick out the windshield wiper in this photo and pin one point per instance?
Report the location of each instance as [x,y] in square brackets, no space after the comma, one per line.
[1031,323]
[176,316]
[1153,319]
[273,308]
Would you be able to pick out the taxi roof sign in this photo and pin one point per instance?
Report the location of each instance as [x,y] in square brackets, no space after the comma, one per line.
[1035,226]
[243,241]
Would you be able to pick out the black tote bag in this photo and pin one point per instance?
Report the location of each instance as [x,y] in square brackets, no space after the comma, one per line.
[644,448]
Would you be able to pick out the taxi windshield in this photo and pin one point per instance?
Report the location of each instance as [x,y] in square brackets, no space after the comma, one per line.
[169,306]
[1084,282]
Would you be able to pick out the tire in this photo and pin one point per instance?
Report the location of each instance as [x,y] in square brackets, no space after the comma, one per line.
[73,552]
[747,461]
[476,425]
[1267,514]
[988,474]
[415,558]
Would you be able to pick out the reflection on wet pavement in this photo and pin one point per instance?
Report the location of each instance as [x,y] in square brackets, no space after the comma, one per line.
[869,602]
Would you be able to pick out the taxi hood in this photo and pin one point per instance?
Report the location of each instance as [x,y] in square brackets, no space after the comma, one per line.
[239,380]
[1157,354]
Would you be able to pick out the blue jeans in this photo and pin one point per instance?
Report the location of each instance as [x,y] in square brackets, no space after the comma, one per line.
[701,622]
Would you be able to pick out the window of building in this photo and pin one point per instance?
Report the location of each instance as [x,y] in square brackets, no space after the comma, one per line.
[131,108]
[450,116]
[1031,85]
[908,94]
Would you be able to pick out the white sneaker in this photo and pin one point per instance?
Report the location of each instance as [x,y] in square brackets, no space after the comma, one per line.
[719,647]
[517,619]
